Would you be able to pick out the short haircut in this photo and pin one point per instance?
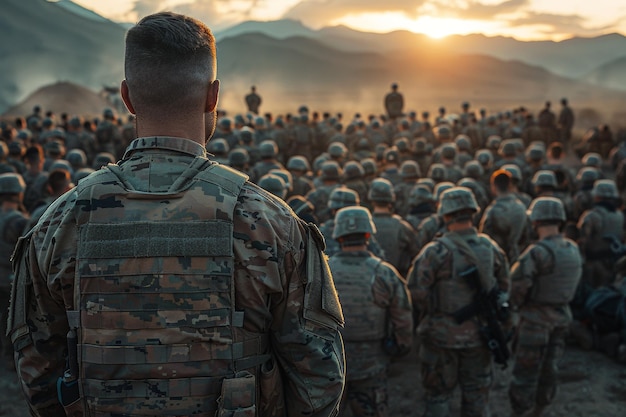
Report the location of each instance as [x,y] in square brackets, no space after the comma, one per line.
[555,150]
[34,153]
[170,60]
[58,180]
[501,179]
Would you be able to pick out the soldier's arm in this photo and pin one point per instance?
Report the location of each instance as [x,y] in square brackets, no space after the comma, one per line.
[422,275]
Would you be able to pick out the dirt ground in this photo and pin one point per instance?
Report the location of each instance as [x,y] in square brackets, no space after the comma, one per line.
[591,385]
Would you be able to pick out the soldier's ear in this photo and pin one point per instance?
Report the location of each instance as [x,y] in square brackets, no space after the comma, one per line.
[126,97]
[212,96]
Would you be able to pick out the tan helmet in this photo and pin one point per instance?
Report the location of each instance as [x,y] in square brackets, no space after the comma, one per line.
[604,189]
[457,199]
[546,209]
[353,220]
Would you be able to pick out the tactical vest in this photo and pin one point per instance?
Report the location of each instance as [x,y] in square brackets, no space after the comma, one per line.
[453,292]
[6,248]
[354,277]
[612,224]
[154,294]
[557,285]
[388,236]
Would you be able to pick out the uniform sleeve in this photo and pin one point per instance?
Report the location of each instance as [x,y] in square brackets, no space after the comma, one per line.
[307,342]
[522,273]
[390,292]
[501,270]
[422,276]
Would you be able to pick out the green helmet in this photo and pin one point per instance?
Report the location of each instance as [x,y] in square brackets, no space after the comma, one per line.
[514,170]
[353,220]
[102,159]
[493,142]
[440,188]
[546,209]
[268,149]
[473,169]
[298,163]
[457,199]
[484,157]
[343,197]
[437,172]
[410,169]
[238,157]
[507,149]
[402,144]
[420,194]
[331,171]
[77,158]
[463,143]
[587,175]
[427,182]
[535,154]
[285,175]
[592,159]
[443,133]
[353,170]
[218,146]
[381,190]
[369,166]
[448,151]
[604,189]
[337,150]
[544,178]
[274,184]
[11,183]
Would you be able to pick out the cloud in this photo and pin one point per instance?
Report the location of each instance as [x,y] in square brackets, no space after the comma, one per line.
[318,13]
[479,11]
[561,24]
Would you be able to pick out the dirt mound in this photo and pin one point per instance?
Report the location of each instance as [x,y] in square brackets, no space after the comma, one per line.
[62,97]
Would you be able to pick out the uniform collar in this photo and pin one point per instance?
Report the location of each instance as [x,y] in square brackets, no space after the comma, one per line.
[181,145]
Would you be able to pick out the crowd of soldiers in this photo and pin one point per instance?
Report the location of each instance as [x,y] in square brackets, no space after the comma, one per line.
[407,205]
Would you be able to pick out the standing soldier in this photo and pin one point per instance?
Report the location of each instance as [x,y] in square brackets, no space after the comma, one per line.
[395,235]
[378,313]
[544,281]
[452,349]
[108,135]
[566,121]
[253,101]
[12,223]
[410,173]
[394,103]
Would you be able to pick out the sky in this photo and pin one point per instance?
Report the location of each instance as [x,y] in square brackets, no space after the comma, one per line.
[521,19]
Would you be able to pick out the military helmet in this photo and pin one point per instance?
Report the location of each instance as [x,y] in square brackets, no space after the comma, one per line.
[443,132]
[300,205]
[369,166]
[337,150]
[343,197]
[473,169]
[544,178]
[587,175]
[410,169]
[546,209]
[421,146]
[363,144]
[507,149]
[298,163]
[77,158]
[514,170]
[238,157]
[420,194]
[82,173]
[225,123]
[463,143]
[353,170]
[108,113]
[402,144]
[437,172]
[268,149]
[448,151]
[353,220]
[102,159]
[391,155]
[61,164]
[285,175]
[218,146]
[259,121]
[592,159]
[440,188]
[427,182]
[11,183]
[535,153]
[55,148]
[493,142]
[484,157]
[604,189]
[381,190]
[246,135]
[274,184]
[331,171]
[457,199]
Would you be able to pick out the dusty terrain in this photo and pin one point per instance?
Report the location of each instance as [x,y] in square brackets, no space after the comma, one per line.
[592,385]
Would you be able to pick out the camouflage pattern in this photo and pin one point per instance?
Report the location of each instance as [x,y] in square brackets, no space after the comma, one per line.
[377,305]
[207,319]
[550,267]
[397,238]
[454,354]
[506,222]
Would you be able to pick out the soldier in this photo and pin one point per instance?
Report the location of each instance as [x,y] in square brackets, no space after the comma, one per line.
[395,235]
[421,205]
[453,352]
[354,178]
[253,100]
[299,167]
[12,223]
[433,224]
[410,173]
[596,226]
[565,122]
[59,182]
[583,200]
[544,281]
[505,219]
[268,152]
[230,280]
[239,159]
[394,103]
[379,322]
[331,176]
[108,135]
[516,180]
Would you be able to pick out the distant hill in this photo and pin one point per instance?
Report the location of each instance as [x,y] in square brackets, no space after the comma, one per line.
[610,75]
[49,43]
[279,29]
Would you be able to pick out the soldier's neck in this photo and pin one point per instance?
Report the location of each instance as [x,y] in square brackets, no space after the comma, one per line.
[547,231]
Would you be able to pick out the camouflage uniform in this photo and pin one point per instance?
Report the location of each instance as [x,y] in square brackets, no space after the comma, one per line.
[506,222]
[454,354]
[231,286]
[544,281]
[397,238]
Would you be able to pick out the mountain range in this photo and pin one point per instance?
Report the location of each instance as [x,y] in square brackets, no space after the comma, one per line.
[332,68]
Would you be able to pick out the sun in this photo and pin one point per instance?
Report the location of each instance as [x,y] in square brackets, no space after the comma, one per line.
[438,28]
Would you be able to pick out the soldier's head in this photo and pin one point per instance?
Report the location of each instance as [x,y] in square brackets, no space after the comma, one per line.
[493,143]
[239,158]
[12,187]
[285,175]
[421,194]
[443,133]
[605,190]
[274,184]
[437,172]
[544,181]
[586,177]
[458,205]
[59,181]
[331,171]
[428,182]
[342,197]
[337,151]
[463,143]
[473,169]
[394,87]
[501,182]
[381,193]
[170,68]
[268,149]
[298,165]
[485,158]
[535,155]
[353,226]
[410,170]
[218,147]
[77,158]
[546,211]
[302,208]
[592,159]
[353,170]
[516,173]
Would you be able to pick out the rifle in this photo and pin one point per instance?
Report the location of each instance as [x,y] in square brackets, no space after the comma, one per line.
[490,312]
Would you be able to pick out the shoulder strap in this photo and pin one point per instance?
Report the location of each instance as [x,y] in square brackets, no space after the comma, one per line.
[550,251]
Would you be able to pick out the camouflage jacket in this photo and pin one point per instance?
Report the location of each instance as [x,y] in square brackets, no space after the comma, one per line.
[280,281]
